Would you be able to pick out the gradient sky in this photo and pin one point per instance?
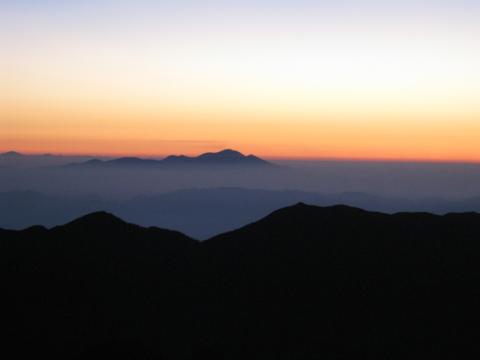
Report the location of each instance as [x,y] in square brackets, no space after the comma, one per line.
[327,79]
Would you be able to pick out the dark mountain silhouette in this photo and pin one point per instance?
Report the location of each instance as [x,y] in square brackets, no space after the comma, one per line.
[88,288]
[227,156]
[224,157]
[304,282]
[201,213]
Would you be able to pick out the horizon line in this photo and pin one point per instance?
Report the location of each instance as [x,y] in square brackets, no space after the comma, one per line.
[266,157]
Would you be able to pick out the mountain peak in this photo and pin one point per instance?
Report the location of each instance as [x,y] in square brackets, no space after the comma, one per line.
[230,152]
[301,212]
[11,153]
[226,153]
[99,218]
[231,156]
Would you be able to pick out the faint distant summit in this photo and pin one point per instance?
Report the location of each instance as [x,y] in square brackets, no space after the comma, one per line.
[11,154]
[227,153]
[227,157]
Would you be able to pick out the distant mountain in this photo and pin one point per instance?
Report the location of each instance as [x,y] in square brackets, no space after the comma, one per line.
[222,157]
[10,154]
[225,158]
[304,282]
[120,162]
[14,159]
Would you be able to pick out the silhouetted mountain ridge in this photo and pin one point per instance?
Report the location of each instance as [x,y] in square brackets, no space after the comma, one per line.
[224,157]
[15,159]
[202,212]
[304,282]
[98,218]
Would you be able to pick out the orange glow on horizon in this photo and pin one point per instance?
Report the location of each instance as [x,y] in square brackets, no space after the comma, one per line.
[382,136]
[370,88]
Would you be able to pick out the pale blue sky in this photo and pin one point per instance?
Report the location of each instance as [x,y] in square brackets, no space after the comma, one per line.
[57,6]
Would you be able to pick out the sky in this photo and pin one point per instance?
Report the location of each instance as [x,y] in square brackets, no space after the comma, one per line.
[345,79]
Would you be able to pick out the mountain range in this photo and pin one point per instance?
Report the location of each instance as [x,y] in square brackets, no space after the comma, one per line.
[201,212]
[14,159]
[304,282]
[225,157]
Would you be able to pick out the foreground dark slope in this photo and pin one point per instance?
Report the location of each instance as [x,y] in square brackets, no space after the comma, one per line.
[303,283]
[340,282]
[96,286]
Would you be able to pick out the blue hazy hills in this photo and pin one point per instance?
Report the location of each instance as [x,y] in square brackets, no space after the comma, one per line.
[201,213]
